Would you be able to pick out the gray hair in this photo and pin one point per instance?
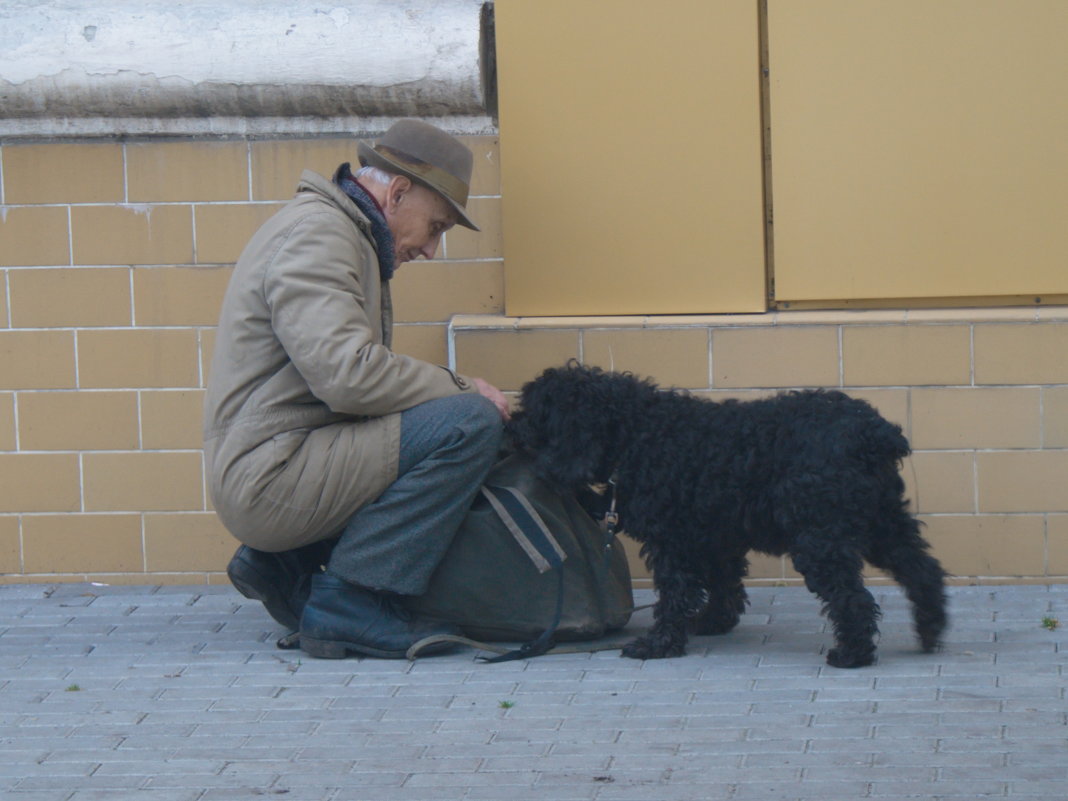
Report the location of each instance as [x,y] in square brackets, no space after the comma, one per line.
[375,175]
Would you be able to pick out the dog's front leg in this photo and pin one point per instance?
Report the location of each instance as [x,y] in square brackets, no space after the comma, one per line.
[678,595]
[727,598]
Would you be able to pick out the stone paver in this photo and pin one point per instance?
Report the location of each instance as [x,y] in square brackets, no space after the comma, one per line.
[178,694]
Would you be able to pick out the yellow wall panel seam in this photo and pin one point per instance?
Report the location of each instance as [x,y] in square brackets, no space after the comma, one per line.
[248,170]
[70,236]
[841,357]
[709,367]
[201,356]
[144,544]
[133,298]
[140,420]
[1045,544]
[104,204]
[1042,428]
[54,204]
[15,419]
[77,358]
[125,174]
[852,318]
[86,513]
[81,483]
[971,354]
[193,232]
[975,485]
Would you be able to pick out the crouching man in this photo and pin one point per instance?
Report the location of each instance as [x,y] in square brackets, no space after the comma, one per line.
[344,468]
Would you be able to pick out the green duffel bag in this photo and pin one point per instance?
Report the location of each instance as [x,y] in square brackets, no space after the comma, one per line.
[529,565]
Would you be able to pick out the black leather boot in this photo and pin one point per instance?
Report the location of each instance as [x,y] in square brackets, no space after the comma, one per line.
[280,581]
[340,618]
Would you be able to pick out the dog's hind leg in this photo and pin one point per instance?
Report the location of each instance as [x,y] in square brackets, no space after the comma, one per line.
[727,598]
[902,552]
[832,573]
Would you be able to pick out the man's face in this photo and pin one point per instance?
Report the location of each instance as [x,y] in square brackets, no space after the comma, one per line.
[417,218]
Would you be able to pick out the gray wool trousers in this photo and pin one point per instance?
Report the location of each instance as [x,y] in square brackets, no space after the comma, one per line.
[393,544]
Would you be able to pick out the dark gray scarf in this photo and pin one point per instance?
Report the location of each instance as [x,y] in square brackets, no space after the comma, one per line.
[369,206]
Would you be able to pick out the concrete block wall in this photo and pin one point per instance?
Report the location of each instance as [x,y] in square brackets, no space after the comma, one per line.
[981,393]
[114,258]
[113,262]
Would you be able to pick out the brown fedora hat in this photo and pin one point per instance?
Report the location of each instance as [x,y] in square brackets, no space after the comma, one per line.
[428,156]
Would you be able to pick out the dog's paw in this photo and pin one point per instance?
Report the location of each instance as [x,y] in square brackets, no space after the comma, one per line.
[706,624]
[930,645]
[842,658]
[645,648]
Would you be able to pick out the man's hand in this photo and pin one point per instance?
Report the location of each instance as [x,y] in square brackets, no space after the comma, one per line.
[487,390]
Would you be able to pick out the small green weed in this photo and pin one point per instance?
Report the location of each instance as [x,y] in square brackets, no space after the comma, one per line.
[73,688]
[506,704]
[1050,622]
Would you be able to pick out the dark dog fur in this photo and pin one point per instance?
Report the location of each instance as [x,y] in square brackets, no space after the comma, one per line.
[813,474]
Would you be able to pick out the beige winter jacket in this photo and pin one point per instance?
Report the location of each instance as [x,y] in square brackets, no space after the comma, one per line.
[302,410]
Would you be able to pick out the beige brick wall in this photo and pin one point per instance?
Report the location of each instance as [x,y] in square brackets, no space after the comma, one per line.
[114,259]
[113,262]
[979,392]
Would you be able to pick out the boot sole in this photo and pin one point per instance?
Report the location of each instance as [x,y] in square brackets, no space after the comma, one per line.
[274,605]
[336,649]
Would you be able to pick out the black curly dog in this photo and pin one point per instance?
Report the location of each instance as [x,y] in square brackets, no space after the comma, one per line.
[812,474]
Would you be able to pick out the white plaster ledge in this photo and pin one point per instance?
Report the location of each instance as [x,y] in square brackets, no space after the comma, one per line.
[978,316]
[229,66]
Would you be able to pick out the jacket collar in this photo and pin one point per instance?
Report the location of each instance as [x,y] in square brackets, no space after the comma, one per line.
[313,182]
[366,203]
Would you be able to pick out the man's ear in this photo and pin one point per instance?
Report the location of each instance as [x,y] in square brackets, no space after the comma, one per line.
[398,187]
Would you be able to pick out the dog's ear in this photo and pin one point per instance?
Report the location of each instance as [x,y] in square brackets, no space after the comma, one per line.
[571,460]
[563,449]
[560,425]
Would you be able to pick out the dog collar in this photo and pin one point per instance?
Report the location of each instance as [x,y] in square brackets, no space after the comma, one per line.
[611,517]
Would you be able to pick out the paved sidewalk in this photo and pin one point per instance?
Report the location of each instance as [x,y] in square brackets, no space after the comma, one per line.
[178,694]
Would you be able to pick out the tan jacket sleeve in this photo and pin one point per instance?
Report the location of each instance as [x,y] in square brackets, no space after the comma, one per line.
[318,287]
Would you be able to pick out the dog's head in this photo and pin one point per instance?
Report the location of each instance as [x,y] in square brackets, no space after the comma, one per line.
[574,420]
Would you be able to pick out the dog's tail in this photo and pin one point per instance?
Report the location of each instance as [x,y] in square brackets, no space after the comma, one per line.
[897,443]
[884,442]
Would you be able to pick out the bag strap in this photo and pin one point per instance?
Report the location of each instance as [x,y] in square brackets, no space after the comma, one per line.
[538,543]
[532,534]
[613,644]
[535,538]
[526,525]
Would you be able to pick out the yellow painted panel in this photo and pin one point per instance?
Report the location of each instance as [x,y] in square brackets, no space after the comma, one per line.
[919,148]
[631,165]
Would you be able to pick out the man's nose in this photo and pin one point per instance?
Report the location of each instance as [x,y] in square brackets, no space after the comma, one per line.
[431,247]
